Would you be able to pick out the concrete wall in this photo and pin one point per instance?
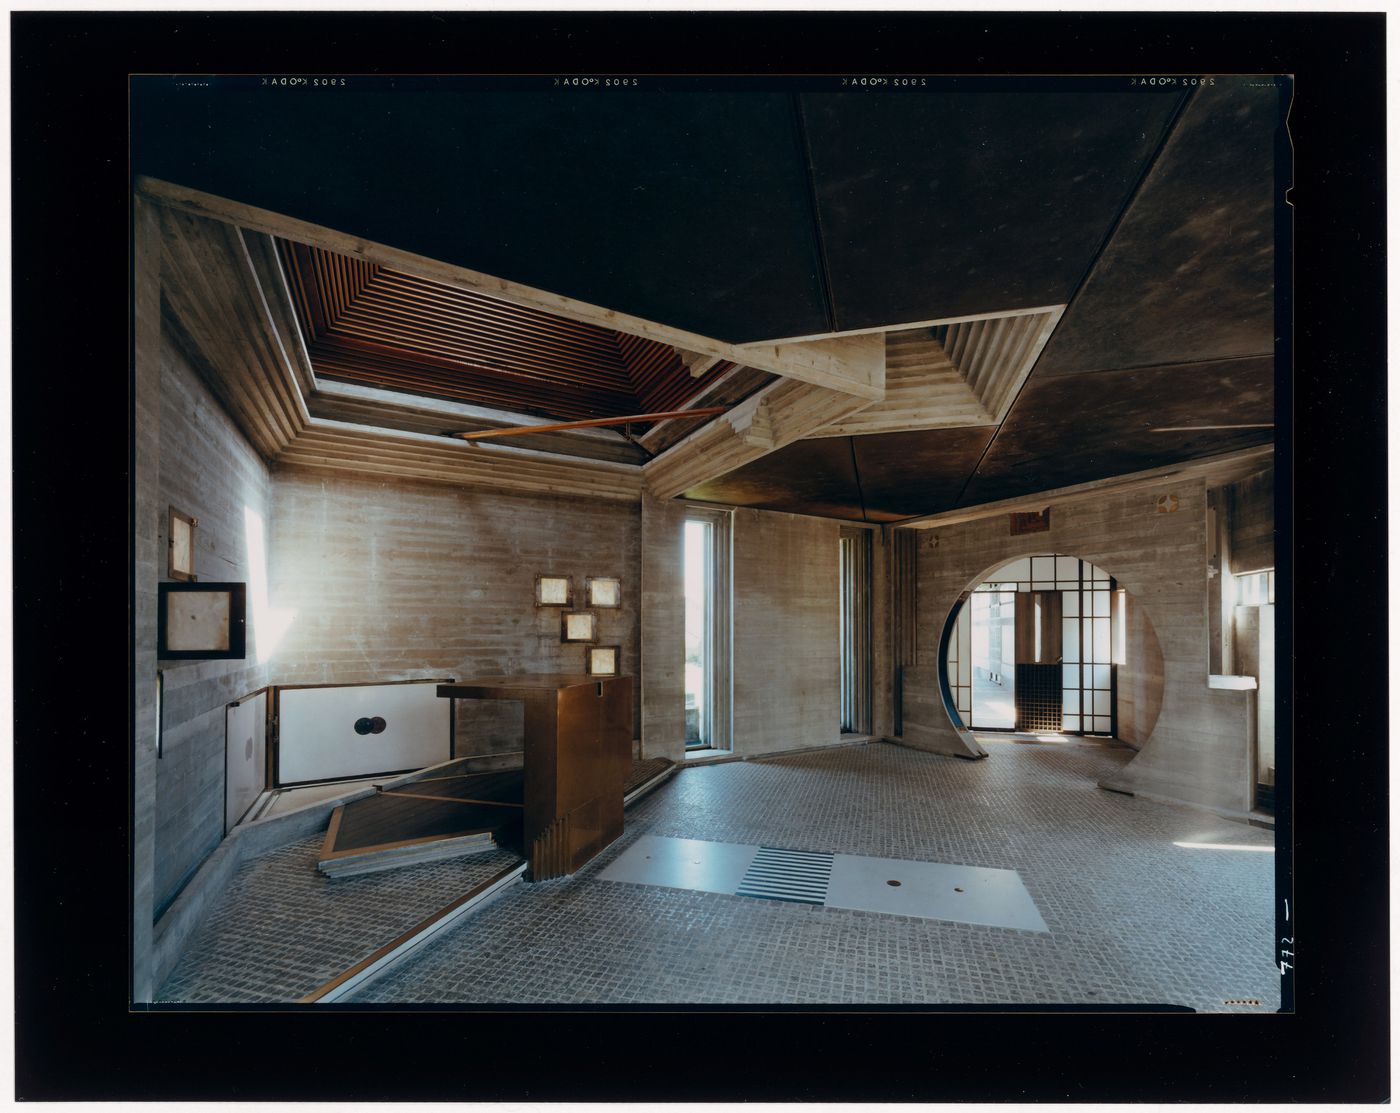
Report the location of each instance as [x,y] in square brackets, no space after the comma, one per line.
[1251,523]
[662,689]
[787,663]
[206,469]
[1198,751]
[394,581]
[145,524]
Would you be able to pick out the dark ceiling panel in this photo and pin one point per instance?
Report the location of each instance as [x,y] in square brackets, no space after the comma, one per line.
[692,209]
[941,204]
[1075,428]
[923,472]
[807,477]
[1189,274]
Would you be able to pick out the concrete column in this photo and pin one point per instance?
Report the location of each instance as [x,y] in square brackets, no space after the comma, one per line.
[146,535]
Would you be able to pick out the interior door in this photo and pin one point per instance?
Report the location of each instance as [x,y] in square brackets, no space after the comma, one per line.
[1039,677]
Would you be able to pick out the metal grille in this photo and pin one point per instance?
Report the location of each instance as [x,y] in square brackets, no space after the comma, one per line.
[1039,697]
[790,875]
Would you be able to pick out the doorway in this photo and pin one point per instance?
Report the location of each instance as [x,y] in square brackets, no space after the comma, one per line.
[1032,649]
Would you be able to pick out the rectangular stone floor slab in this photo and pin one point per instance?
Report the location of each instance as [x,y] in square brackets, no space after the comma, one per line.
[933,891]
[706,867]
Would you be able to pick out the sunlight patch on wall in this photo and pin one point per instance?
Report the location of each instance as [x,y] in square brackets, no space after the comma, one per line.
[270,624]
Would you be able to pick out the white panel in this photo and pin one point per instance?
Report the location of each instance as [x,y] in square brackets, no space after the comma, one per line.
[1070,722]
[1067,568]
[1101,678]
[1101,647]
[1042,568]
[1101,703]
[317,739]
[1103,724]
[1071,677]
[1071,700]
[1069,650]
[1100,604]
[1070,604]
[245,757]
[1042,585]
[1019,569]
[1097,573]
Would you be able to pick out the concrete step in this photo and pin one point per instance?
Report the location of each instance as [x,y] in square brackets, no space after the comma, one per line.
[372,861]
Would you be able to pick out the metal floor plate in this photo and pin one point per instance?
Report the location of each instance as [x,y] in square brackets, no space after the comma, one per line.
[933,891]
[927,890]
[707,867]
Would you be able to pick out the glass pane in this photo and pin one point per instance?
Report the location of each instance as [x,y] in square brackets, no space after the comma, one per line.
[1017,570]
[993,659]
[1100,639]
[1042,568]
[1100,604]
[1070,722]
[1101,703]
[1042,585]
[1070,647]
[1102,724]
[1071,700]
[1101,677]
[1070,604]
[697,548]
[1071,677]
[1067,568]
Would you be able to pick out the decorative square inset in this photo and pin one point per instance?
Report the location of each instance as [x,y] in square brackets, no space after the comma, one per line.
[602,660]
[202,621]
[553,591]
[1035,521]
[578,626]
[180,543]
[604,591]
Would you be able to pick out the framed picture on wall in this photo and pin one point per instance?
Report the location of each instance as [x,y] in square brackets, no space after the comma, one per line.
[553,591]
[602,660]
[180,546]
[202,621]
[603,591]
[578,626]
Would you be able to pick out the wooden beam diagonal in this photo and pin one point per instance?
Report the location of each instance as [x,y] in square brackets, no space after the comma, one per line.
[852,365]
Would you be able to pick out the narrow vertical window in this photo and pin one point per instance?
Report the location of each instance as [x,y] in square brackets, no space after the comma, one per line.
[705,552]
[854,630]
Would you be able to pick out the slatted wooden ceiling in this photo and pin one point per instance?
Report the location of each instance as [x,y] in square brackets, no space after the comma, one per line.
[368,324]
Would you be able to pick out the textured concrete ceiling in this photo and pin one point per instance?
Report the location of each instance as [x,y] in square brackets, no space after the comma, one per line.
[767,214]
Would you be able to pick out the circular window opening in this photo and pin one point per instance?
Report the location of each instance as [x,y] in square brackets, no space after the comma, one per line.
[1050,644]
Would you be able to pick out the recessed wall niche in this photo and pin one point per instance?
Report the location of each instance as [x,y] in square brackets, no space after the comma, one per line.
[604,591]
[180,546]
[553,591]
[601,660]
[578,626]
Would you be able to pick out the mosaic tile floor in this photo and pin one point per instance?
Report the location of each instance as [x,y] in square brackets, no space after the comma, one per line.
[283,929]
[1132,917]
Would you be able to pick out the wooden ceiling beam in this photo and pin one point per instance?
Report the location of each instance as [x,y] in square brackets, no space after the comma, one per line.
[853,365]
[1226,468]
[781,413]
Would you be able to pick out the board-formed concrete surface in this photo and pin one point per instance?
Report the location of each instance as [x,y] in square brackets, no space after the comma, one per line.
[1133,917]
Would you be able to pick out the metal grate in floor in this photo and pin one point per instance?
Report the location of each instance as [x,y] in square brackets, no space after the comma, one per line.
[791,875]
